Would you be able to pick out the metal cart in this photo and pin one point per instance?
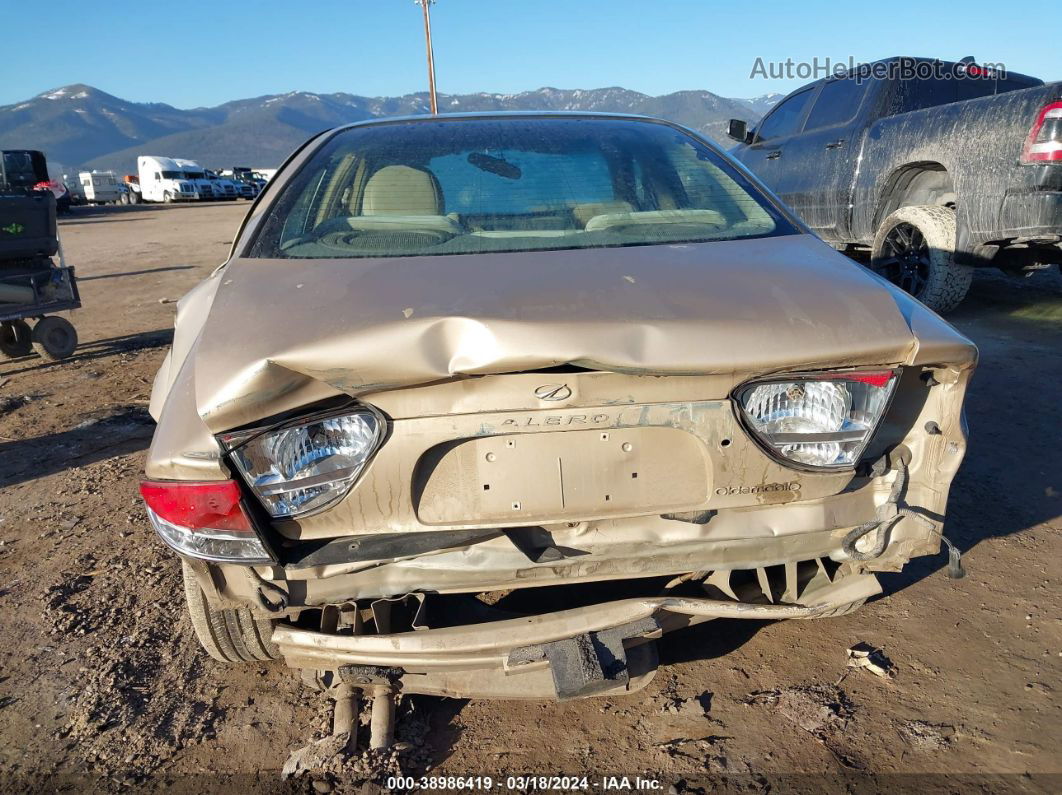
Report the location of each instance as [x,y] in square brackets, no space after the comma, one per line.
[36,292]
[32,285]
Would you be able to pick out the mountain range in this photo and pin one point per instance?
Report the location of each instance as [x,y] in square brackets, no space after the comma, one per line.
[78,126]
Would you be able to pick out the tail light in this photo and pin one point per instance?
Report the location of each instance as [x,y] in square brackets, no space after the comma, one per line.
[307,465]
[1044,144]
[204,520]
[822,420]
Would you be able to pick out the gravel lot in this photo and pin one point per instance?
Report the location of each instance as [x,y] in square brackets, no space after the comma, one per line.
[104,686]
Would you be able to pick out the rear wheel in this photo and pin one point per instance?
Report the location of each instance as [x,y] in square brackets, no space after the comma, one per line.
[16,339]
[915,250]
[54,338]
[134,197]
[232,635]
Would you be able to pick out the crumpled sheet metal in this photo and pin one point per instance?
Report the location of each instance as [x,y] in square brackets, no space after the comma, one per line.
[281,333]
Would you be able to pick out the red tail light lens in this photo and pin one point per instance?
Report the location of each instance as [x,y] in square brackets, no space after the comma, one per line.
[211,504]
[1044,143]
[872,378]
[204,520]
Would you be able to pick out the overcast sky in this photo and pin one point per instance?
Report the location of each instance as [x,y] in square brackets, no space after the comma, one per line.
[196,53]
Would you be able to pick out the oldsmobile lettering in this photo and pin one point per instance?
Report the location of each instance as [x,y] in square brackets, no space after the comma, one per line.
[763,488]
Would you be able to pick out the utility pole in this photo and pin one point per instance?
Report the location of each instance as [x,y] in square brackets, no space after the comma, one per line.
[431,57]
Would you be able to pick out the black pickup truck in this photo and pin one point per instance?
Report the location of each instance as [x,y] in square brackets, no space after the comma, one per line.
[927,167]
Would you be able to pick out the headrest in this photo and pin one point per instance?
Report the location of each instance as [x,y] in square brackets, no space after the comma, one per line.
[402,190]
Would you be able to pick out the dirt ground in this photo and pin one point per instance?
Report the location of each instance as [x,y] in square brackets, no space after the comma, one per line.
[103,686]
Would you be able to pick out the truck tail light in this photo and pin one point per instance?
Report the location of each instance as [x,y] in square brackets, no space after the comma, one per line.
[1044,143]
[820,420]
[204,520]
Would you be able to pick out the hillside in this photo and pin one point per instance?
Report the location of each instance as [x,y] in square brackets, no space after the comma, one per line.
[81,126]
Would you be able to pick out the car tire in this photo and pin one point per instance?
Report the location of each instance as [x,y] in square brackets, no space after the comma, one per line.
[16,339]
[234,635]
[54,338]
[914,249]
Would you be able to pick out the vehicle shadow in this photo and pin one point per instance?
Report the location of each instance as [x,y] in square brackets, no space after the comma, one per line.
[117,431]
[90,351]
[432,721]
[83,214]
[707,641]
[135,273]
[95,220]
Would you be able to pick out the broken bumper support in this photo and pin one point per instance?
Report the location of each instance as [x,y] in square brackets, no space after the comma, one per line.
[566,654]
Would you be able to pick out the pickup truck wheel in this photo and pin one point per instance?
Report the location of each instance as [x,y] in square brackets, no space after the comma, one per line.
[915,250]
[232,635]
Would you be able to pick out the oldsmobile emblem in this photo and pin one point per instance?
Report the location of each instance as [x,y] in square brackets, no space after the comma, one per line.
[553,392]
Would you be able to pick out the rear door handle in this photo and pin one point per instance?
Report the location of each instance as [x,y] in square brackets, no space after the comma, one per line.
[835,144]
[777,153]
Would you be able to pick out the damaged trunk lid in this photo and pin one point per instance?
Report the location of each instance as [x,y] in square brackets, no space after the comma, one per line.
[284,333]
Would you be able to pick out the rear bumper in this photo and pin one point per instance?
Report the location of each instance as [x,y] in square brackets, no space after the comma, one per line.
[1031,215]
[527,657]
[490,645]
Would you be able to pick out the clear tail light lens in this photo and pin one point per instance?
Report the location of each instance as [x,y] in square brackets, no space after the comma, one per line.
[204,520]
[817,419]
[305,466]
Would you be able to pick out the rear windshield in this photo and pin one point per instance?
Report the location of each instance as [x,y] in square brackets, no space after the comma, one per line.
[523,184]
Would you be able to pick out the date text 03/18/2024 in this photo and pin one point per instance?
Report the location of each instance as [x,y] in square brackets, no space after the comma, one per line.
[518,783]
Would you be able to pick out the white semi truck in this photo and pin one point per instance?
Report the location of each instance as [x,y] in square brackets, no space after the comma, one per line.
[249,185]
[163,180]
[224,188]
[207,184]
[193,172]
